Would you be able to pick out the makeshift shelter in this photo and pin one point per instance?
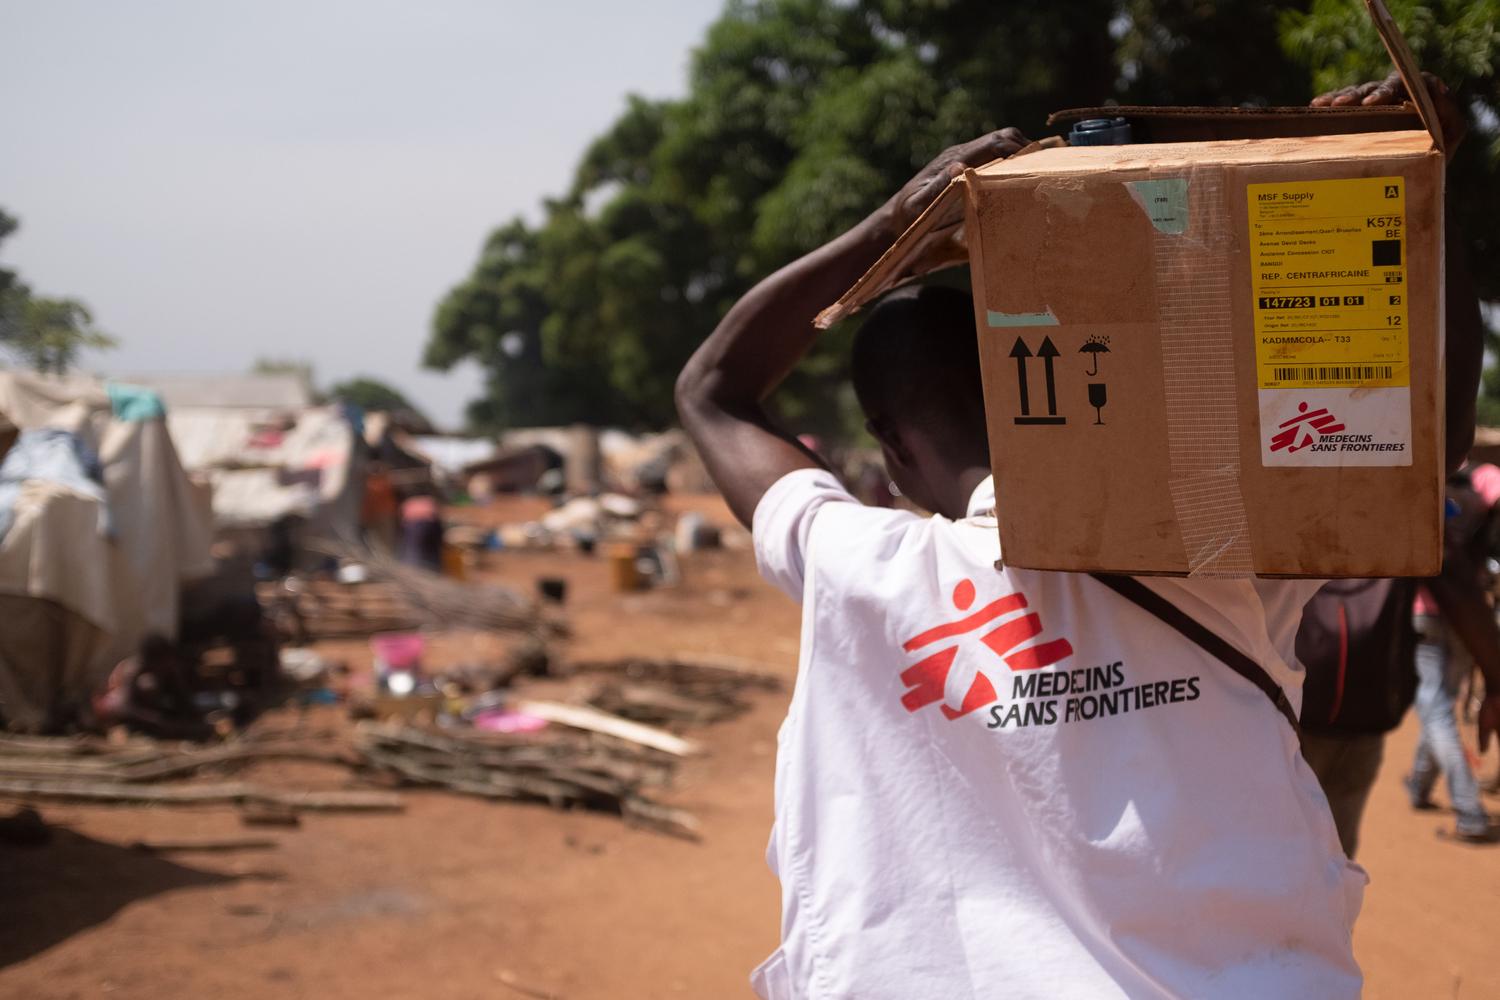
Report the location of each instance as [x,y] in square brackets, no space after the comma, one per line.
[269,454]
[449,456]
[518,470]
[102,528]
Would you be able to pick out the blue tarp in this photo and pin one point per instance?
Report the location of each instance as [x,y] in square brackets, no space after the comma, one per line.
[134,402]
[52,456]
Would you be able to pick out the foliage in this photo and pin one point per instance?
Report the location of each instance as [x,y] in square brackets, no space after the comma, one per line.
[49,334]
[42,333]
[1459,42]
[370,395]
[803,115]
[299,368]
[8,279]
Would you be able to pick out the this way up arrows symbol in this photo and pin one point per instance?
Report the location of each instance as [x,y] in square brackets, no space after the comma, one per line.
[1048,352]
[1021,352]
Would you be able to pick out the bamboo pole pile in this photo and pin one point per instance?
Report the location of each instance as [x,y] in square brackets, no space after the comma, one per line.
[439,601]
[585,759]
[398,598]
[676,692]
[81,769]
[327,609]
[570,770]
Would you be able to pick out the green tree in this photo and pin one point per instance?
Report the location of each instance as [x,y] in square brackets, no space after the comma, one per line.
[8,280]
[371,395]
[42,333]
[1459,41]
[803,115]
[49,334]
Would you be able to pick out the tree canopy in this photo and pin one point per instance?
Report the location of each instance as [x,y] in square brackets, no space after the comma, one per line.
[43,333]
[372,396]
[803,115]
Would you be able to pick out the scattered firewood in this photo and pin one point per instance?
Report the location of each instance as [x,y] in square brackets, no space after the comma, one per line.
[593,720]
[234,753]
[268,814]
[223,845]
[609,755]
[676,692]
[229,793]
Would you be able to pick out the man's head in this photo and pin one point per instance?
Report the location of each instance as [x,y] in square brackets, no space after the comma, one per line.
[915,369]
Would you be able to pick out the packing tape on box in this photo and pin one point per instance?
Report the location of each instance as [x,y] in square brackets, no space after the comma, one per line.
[1192,249]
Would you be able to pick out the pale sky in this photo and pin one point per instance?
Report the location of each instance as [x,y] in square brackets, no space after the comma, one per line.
[222,181]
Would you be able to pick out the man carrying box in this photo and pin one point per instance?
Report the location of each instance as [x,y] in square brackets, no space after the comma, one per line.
[996,781]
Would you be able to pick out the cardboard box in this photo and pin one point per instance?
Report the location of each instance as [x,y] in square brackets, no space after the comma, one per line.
[1212,357]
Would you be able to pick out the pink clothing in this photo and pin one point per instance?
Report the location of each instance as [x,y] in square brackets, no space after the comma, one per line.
[1486,480]
[419,508]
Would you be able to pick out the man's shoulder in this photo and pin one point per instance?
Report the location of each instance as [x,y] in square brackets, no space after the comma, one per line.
[808,522]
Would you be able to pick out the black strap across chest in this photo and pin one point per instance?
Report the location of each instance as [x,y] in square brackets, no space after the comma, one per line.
[1150,601]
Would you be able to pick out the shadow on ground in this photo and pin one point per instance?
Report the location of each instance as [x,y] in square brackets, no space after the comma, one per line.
[55,890]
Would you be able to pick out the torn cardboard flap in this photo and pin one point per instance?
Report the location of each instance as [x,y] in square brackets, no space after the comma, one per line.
[1406,66]
[933,243]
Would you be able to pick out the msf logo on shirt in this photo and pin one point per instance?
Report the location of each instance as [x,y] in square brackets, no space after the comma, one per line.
[1306,423]
[973,638]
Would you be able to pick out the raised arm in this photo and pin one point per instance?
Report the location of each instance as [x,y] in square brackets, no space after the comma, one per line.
[722,390]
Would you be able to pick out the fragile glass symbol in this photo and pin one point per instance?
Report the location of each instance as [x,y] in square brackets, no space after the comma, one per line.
[1098,396]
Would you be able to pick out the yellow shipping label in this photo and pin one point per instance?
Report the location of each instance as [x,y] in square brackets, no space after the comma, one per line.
[1328,283]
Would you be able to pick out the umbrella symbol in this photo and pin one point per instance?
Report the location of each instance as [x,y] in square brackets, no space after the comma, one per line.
[1094,347]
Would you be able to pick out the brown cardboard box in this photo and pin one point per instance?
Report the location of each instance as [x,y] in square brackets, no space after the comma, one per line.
[1214,357]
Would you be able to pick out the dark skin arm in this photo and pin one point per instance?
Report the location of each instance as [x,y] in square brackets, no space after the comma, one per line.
[1461,599]
[722,390]
[1465,336]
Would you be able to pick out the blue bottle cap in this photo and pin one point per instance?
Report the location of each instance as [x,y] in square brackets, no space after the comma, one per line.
[1100,132]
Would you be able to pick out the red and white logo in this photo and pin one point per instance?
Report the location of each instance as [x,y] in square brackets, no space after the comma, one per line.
[1306,423]
[1331,427]
[1010,641]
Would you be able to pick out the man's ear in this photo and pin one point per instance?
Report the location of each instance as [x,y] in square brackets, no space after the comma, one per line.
[891,439]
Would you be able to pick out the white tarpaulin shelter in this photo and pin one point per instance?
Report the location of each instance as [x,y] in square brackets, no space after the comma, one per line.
[268,452]
[304,464]
[78,591]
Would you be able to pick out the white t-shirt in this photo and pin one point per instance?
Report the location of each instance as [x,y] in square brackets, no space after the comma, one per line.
[1011,783]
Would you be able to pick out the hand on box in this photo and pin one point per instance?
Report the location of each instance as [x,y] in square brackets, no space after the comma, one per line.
[919,192]
[1392,90]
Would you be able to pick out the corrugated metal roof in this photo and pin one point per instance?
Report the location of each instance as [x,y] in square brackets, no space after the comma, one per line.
[239,392]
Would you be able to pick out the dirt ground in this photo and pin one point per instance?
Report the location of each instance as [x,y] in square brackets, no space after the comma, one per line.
[456,898]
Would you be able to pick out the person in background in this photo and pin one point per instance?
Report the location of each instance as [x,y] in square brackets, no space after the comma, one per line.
[378,509]
[1357,640]
[422,532]
[1445,657]
[1365,644]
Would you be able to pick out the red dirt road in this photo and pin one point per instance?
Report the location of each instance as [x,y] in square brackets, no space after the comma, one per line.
[457,898]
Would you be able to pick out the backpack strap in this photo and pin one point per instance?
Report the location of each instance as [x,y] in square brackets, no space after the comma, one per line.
[1150,601]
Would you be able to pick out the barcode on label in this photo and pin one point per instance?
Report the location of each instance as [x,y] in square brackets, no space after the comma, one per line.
[1332,373]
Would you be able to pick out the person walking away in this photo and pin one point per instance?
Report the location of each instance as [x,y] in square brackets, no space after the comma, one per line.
[1444,663]
[1357,640]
